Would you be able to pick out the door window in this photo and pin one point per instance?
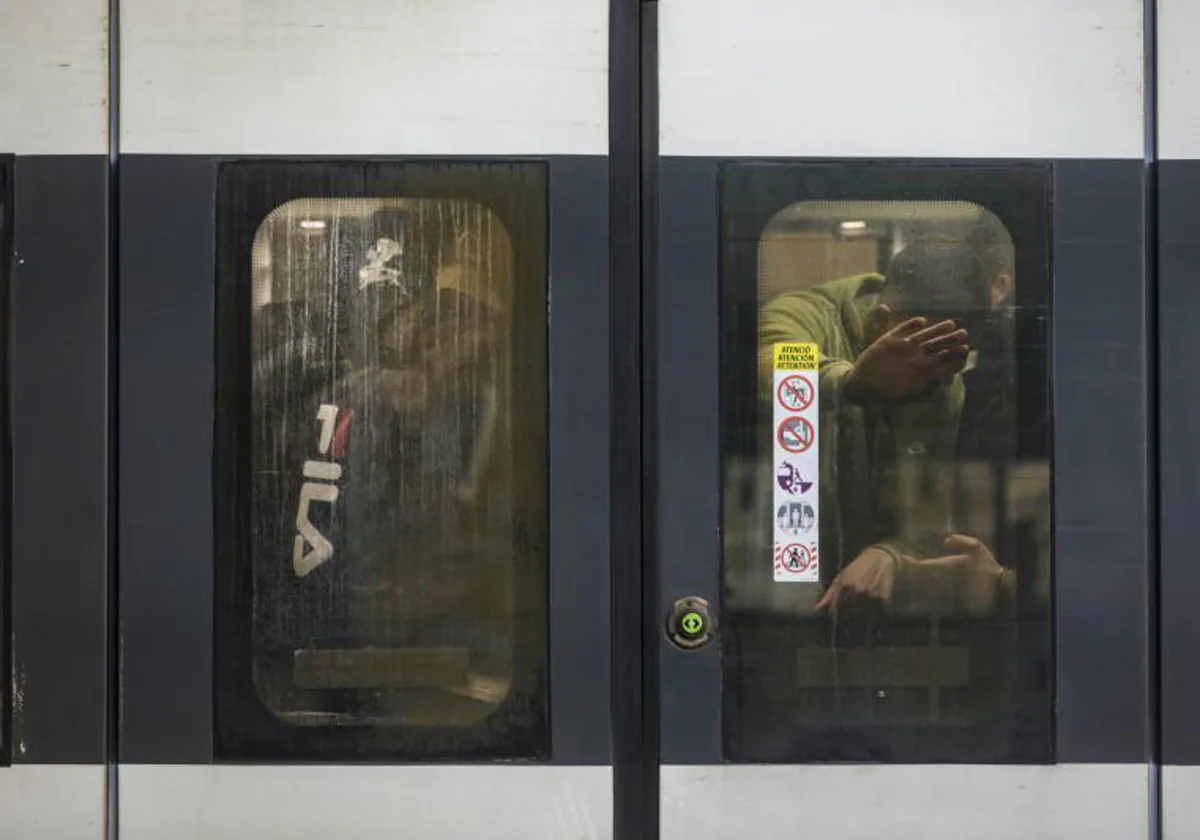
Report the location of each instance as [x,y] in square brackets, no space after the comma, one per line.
[396,469]
[887,536]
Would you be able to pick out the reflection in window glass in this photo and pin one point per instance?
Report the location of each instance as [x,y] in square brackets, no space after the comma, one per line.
[911,621]
[385,484]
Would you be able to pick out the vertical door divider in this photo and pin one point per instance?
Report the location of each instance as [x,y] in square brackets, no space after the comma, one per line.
[112,698]
[1153,399]
[633,170]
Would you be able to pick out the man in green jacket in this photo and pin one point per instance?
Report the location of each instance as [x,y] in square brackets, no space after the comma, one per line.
[891,397]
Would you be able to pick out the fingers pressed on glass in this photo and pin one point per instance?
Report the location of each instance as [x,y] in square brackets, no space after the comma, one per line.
[908,328]
[948,341]
[939,329]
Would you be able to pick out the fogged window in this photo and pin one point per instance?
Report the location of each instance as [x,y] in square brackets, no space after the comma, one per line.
[887,535]
[397,463]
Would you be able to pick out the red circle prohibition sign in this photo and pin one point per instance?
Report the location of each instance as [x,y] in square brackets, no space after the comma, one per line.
[795,435]
[796,559]
[795,393]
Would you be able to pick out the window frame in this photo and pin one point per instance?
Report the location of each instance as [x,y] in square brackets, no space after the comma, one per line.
[517,191]
[750,194]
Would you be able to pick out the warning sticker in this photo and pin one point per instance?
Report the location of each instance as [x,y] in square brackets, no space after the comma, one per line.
[796,473]
[794,561]
[796,357]
[795,392]
[796,434]
[796,519]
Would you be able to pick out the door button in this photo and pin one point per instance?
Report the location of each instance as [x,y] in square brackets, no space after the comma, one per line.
[689,625]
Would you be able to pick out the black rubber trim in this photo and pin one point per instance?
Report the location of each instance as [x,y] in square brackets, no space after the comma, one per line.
[112,697]
[1153,618]
[633,153]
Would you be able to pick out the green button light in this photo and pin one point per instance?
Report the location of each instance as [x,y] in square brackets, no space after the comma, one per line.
[692,624]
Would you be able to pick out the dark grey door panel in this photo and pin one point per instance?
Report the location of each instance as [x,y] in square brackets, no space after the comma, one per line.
[1085,230]
[172,496]
[58,345]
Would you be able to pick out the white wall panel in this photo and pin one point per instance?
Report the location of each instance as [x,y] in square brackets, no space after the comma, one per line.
[365,76]
[365,803]
[915,802]
[54,77]
[919,78]
[1181,803]
[53,802]
[1178,79]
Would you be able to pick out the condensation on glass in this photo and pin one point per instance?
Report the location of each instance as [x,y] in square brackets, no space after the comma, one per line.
[383,526]
[915,644]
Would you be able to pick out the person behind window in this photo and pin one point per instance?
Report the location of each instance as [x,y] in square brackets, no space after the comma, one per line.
[437,381]
[893,352]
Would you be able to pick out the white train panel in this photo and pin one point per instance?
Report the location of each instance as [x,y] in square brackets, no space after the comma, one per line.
[915,802]
[53,802]
[367,803]
[54,74]
[1181,807]
[922,78]
[365,77]
[1178,79]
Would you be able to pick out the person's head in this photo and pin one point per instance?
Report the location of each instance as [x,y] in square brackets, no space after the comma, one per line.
[965,276]
[478,258]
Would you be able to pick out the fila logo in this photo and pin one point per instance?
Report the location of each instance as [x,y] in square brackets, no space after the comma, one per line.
[310,548]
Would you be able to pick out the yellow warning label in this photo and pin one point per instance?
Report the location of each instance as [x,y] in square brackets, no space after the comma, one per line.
[795,356]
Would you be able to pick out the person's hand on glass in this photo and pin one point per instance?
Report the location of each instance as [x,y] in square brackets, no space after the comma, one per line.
[906,359]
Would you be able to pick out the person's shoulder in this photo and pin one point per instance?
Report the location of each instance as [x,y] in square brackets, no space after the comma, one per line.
[839,293]
[859,285]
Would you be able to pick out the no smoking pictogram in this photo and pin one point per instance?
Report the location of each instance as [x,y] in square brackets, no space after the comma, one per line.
[795,434]
[795,393]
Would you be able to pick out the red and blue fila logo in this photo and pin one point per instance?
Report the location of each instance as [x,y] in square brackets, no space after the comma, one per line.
[310,548]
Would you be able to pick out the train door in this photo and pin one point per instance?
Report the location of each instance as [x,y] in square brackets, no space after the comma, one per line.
[53,405]
[364,420]
[1179,401]
[908,599]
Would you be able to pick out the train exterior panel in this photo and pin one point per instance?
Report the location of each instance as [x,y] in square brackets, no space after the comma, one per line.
[54,138]
[446,418]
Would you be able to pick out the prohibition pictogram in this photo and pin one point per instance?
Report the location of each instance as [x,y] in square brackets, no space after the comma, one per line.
[796,558]
[795,434]
[795,393]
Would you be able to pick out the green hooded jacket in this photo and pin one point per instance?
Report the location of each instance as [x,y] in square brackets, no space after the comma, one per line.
[886,474]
